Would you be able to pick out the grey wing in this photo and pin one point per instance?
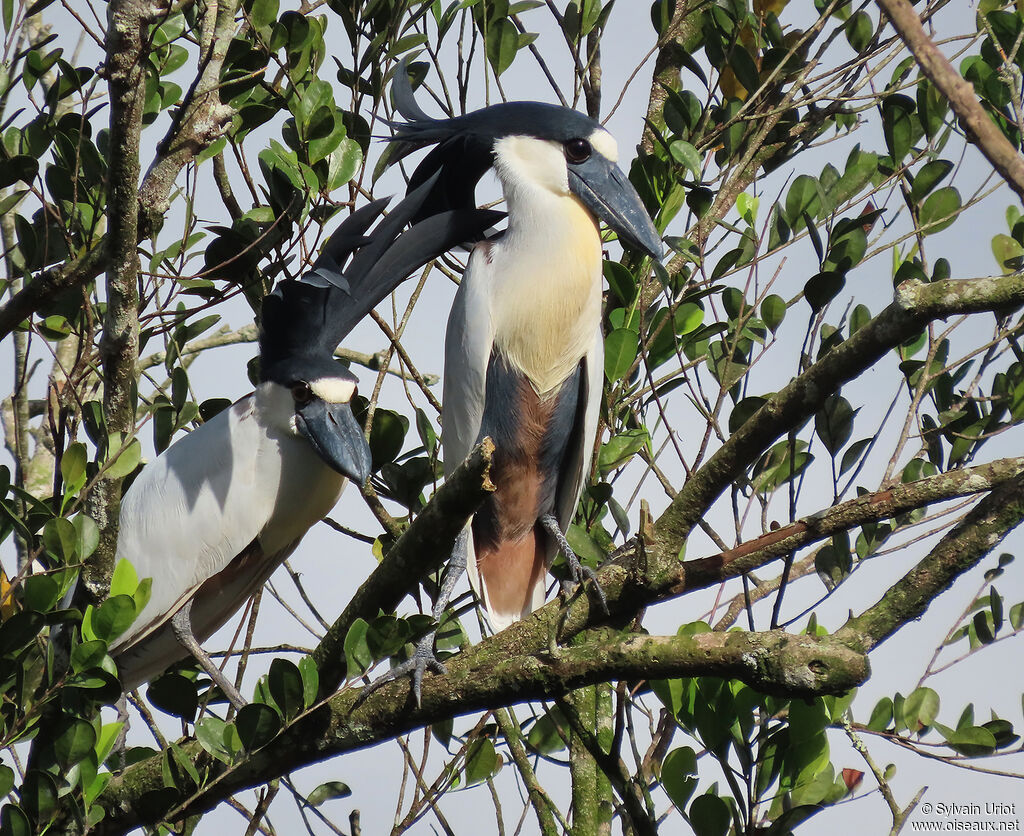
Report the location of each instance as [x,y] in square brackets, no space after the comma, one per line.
[192,511]
[584,434]
[467,349]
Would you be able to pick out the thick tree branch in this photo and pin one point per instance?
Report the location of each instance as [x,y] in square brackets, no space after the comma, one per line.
[915,305]
[486,677]
[127,43]
[959,550]
[424,546]
[899,499]
[980,128]
[200,121]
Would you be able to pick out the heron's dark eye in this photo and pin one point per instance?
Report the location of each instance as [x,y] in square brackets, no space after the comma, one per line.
[302,393]
[577,150]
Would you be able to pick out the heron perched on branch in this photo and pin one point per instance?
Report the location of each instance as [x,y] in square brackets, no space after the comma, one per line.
[524,348]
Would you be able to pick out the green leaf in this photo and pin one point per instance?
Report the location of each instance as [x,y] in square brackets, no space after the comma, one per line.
[328,792]
[1008,253]
[124,460]
[833,564]
[709,816]
[358,658]
[41,592]
[74,741]
[20,629]
[920,708]
[744,411]
[982,628]
[285,684]
[214,735]
[387,435]
[939,210]
[6,780]
[686,155]
[502,44]
[87,536]
[88,655]
[262,13]
[930,175]
[112,617]
[39,795]
[773,311]
[60,538]
[803,199]
[834,423]
[124,581]
[549,733]
[973,742]
[176,695]
[72,467]
[257,724]
[823,288]
[482,762]
[995,603]
[620,350]
[859,30]
[310,680]
[14,822]
[679,775]
[620,448]
[898,125]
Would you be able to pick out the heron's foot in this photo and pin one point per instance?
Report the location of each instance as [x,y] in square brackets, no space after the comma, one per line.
[580,573]
[422,660]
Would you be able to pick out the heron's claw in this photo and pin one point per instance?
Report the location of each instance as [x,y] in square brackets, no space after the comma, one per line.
[423,659]
[580,573]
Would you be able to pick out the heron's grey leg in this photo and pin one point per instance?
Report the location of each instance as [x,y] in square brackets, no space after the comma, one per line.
[181,624]
[578,571]
[424,657]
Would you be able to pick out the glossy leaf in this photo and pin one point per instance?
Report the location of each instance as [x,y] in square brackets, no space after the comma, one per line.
[285,684]
[257,725]
[939,210]
[620,350]
[328,792]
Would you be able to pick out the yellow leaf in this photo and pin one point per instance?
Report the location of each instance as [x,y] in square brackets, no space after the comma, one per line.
[7,605]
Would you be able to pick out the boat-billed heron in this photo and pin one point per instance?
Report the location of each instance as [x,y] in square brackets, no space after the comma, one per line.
[218,511]
[524,348]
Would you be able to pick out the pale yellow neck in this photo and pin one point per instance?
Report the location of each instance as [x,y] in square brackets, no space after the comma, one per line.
[548,294]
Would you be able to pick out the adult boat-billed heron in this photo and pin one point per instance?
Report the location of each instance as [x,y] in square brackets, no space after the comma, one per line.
[212,517]
[524,348]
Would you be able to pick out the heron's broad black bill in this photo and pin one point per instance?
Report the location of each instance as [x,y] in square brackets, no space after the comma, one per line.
[337,438]
[607,193]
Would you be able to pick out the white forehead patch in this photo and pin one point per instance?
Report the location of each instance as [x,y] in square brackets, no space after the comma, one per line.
[605,145]
[333,389]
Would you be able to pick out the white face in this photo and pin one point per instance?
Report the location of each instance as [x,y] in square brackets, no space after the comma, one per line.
[277,403]
[541,162]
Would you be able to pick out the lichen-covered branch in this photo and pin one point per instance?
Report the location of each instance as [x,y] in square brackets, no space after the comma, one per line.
[126,48]
[487,676]
[959,550]
[915,305]
[200,120]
